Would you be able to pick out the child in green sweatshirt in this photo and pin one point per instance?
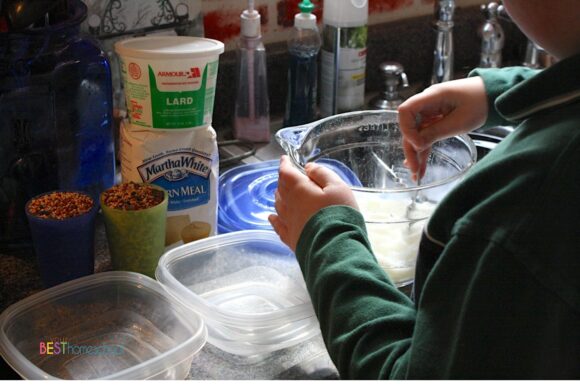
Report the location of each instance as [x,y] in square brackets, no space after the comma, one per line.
[497,284]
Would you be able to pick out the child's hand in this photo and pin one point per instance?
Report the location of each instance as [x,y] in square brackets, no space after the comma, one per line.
[440,111]
[299,197]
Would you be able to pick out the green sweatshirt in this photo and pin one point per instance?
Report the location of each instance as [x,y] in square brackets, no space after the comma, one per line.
[497,286]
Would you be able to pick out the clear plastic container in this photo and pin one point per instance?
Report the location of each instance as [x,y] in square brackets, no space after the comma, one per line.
[395,208]
[113,325]
[248,287]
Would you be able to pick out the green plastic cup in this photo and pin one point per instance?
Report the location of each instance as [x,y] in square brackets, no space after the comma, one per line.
[136,237]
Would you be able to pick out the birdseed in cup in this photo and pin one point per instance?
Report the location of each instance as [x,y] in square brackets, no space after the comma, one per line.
[132,196]
[60,205]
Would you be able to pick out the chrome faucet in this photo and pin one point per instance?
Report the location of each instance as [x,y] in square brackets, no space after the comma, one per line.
[443,53]
[536,57]
[532,57]
[492,36]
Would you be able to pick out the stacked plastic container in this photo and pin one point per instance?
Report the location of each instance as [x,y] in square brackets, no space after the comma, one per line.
[248,288]
[242,292]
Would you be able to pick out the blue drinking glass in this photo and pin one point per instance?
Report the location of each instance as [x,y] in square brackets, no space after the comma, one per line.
[65,248]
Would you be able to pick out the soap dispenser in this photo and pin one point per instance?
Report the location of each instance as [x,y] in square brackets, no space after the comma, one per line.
[303,47]
[252,106]
[394,79]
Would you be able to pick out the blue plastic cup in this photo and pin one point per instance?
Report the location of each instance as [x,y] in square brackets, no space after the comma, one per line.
[65,248]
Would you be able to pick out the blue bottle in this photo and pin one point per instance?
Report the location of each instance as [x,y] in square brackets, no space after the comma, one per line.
[56,129]
[303,47]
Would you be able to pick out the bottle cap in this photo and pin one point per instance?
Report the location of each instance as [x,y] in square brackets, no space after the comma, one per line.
[345,13]
[306,6]
[250,22]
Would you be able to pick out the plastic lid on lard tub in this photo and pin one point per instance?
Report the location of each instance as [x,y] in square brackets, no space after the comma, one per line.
[246,194]
[169,47]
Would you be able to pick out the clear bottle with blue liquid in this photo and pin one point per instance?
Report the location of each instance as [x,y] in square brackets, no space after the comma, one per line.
[303,47]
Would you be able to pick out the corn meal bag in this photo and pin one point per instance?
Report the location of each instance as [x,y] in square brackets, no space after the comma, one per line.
[186,164]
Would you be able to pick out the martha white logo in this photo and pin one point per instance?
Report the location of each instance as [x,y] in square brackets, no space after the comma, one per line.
[175,166]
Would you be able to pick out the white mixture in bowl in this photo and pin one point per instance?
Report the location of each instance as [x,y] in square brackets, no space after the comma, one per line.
[394,240]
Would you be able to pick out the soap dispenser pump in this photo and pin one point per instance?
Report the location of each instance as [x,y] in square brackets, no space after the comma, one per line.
[252,106]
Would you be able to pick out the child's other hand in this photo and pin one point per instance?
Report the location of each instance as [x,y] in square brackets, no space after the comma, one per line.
[299,197]
[440,111]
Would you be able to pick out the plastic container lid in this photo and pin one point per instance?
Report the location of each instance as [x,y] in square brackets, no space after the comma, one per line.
[248,287]
[169,47]
[246,194]
[116,325]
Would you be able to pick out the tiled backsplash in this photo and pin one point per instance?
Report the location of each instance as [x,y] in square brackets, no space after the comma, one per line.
[409,41]
[222,17]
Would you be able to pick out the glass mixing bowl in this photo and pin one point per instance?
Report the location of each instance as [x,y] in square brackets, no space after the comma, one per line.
[395,208]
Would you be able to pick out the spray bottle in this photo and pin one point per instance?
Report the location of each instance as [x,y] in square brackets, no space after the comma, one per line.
[303,47]
[252,109]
